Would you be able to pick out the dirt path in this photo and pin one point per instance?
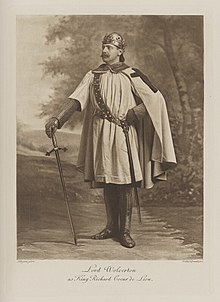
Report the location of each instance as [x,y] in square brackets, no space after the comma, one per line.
[170,233]
[43,238]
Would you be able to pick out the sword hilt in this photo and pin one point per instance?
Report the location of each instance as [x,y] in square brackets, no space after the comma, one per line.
[54,149]
[49,152]
[55,146]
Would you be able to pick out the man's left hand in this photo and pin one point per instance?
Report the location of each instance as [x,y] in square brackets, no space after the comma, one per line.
[130,117]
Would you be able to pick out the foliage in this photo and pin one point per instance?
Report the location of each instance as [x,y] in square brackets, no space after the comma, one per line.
[167,48]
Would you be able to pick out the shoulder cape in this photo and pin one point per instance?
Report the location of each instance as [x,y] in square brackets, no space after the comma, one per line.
[157,153]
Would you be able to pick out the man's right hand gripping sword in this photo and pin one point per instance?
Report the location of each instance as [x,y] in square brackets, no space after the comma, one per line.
[56,122]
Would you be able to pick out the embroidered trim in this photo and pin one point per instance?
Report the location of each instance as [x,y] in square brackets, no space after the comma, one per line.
[105,112]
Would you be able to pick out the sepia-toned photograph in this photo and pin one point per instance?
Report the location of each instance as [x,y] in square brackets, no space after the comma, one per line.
[110,137]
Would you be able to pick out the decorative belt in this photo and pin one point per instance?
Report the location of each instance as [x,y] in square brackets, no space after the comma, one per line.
[104,111]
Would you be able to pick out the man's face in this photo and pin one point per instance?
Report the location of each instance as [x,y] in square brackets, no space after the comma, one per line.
[110,53]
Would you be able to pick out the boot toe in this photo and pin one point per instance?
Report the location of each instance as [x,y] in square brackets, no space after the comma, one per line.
[127,241]
[104,234]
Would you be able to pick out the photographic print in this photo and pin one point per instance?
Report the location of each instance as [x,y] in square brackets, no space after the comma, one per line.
[110,137]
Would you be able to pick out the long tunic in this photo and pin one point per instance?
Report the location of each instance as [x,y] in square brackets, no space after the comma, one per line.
[103,155]
[110,162]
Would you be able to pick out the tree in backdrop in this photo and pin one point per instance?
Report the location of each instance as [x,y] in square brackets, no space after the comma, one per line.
[169,49]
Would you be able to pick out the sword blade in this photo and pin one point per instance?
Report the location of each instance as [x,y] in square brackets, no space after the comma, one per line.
[130,158]
[56,150]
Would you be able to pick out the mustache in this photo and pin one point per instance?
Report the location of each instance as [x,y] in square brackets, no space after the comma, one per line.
[104,55]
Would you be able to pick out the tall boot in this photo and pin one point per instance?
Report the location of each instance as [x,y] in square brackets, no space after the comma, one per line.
[112,213]
[125,210]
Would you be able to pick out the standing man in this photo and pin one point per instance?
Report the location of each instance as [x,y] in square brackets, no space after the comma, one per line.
[114,96]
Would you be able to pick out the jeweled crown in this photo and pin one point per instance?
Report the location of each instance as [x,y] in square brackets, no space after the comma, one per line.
[114,39]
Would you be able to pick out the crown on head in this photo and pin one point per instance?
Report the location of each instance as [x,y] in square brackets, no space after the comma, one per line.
[114,39]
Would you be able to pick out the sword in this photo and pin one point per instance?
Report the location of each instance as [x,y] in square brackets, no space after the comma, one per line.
[125,129]
[56,150]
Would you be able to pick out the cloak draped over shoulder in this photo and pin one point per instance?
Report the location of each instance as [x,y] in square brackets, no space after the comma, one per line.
[156,150]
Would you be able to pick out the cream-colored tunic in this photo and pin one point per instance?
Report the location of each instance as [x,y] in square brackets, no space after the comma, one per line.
[109,150]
